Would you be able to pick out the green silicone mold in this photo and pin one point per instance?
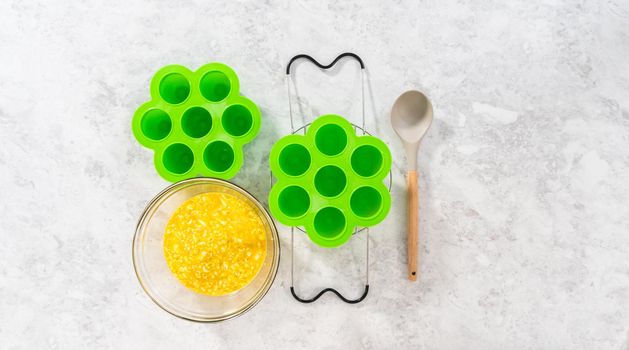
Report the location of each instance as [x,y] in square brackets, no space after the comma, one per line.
[330,181]
[196,122]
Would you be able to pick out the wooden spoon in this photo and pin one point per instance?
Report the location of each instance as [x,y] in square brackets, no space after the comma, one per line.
[411,117]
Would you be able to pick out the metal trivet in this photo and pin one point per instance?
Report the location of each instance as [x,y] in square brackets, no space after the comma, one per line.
[303,129]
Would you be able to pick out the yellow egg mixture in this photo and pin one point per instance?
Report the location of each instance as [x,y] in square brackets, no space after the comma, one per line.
[215,243]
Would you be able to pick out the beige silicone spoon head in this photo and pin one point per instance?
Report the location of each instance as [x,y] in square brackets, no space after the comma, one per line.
[411,117]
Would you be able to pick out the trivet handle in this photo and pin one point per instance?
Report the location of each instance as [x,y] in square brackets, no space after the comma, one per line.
[308,57]
[325,290]
[325,67]
[308,301]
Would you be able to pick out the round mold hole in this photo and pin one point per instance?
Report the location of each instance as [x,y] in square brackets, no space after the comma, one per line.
[174,88]
[331,139]
[178,158]
[366,160]
[294,201]
[294,160]
[218,156]
[196,122]
[215,86]
[366,202]
[156,124]
[330,181]
[237,120]
[329,222]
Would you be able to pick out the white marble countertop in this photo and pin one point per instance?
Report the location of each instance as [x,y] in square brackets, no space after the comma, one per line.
[524,191]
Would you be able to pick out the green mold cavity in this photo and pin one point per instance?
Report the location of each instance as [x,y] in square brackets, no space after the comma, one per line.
[330,181]
[294,201]
[156,124]
[366,160]
[215,86]
[294,160]
[331,139]
[178,158]
[237,120]
[196,122]
[329,222]
[174,88]
[218,156]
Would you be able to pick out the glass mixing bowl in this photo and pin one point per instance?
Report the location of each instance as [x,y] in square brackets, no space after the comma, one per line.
[164,288]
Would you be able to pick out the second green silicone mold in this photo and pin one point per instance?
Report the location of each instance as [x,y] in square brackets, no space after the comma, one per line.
[196,122]
[330,181]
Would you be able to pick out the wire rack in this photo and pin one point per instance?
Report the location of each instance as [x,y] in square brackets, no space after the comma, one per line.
[302,129]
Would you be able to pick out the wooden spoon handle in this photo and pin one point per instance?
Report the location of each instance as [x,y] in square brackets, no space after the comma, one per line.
[413,224]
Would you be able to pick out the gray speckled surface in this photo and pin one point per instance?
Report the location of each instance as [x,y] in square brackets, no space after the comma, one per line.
[524,191]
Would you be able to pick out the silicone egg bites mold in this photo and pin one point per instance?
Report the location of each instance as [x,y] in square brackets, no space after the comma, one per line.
[330,181]
[196,122]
